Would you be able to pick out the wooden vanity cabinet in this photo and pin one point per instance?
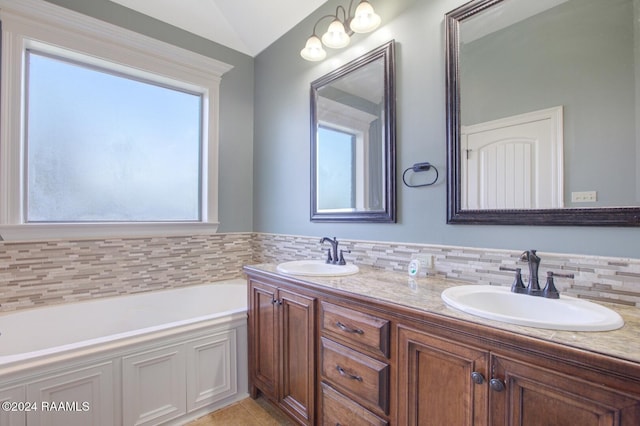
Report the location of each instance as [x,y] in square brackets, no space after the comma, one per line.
[452,382]
[282,347]
[330,358]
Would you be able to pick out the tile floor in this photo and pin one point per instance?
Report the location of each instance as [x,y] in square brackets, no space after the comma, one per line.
[247,412]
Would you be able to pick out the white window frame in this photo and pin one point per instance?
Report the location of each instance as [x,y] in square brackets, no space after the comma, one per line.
[42,26]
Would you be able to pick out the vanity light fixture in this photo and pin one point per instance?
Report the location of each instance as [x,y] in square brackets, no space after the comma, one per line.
[339,33]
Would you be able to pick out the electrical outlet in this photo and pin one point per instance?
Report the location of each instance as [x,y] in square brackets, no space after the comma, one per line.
[426,260]
[584,197]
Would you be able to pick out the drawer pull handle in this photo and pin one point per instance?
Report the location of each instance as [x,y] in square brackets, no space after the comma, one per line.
[348,375]
[343,327]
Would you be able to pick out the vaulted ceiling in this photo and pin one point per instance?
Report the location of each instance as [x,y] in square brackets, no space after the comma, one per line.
[248,26]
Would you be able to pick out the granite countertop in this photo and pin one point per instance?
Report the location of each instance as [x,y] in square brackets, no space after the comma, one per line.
[424,294]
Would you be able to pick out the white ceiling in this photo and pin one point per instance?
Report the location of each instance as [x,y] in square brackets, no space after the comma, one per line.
[248,26]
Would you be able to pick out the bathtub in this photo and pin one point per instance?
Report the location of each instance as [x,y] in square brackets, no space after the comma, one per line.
[162,357]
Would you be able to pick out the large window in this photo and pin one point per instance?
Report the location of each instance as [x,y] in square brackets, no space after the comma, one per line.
[107,132]
[105,147]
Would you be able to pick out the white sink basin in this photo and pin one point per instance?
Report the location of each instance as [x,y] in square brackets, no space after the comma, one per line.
[316,268]
[500,304]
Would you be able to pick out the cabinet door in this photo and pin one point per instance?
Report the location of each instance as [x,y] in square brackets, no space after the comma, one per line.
[436,381]
[263,339]
[297,313]
[535,396]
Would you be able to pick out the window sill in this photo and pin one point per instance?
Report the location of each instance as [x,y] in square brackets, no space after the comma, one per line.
[84,231]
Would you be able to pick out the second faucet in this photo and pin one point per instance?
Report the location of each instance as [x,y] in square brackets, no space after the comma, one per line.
[332,254]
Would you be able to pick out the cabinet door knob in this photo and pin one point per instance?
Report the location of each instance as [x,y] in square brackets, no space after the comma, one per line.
[343,327]
[477,378]
[496,384]
[343,372]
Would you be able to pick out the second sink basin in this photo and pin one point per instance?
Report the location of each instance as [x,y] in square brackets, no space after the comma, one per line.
[500,304]
[316,268]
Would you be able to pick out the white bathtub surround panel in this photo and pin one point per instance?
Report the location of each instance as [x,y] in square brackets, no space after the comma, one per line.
[596,277]
[45,273]
[171,365]
[13,394]
[80,387]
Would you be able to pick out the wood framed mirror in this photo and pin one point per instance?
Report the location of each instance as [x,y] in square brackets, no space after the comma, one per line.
[353,132]
[574,60]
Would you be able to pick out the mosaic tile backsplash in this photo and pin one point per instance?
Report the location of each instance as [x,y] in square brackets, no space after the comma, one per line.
[42,273]
[597,278]
[34,274]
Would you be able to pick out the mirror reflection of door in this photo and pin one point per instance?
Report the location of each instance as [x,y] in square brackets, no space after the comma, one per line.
[513,163]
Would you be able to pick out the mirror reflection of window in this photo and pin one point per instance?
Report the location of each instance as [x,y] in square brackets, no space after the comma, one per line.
[353,139]
[336,170]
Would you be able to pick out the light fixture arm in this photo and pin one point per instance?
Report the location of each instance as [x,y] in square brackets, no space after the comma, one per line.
[346,18]
[344,13]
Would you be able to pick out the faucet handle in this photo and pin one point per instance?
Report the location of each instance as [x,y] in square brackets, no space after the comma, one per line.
[550,291]
[555,274]
[342,261]
[518,285]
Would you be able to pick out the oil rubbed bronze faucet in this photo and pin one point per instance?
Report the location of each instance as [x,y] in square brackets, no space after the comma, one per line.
[332,253]
[533,285]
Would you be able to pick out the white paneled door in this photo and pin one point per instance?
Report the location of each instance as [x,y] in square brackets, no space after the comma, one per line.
[514,162]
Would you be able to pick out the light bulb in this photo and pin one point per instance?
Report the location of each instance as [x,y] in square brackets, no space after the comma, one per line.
[336,37]
[313,50]
[365,19]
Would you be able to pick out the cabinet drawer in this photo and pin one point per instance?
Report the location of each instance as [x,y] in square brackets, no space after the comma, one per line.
[368,331]
[363,378]
[340,410]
